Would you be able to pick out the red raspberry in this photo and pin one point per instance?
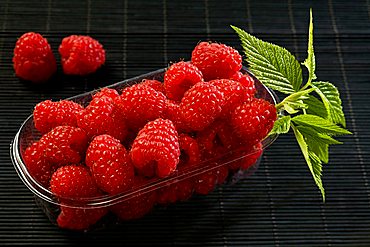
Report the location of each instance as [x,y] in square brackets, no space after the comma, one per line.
[247,81]
[179,78]
[216,140]
[190,157]
[173,113]
[81,55]
[48,114]
[141,104]
[79,219]
[253,121]
[37,165]
[61,146]
[75,182]
[244,157]
[108,92]
[216,61]
[110,164]
[177,191]
[156,85]
[190,153]
[137,206]
[102,116]
[33,59]
[201,105]
[206,182]
[156,148]
[64,145]
[234,95]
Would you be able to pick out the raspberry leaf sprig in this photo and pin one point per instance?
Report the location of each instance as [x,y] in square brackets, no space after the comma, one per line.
[313,110]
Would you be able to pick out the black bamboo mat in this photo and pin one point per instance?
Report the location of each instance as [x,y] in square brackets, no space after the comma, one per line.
[279,205]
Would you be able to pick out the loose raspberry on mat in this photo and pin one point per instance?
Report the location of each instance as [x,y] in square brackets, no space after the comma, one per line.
[48,115]
[201,105]
[103,116]
[140,104]
[156,149]
[33,58]
[110,164]
[137,206]
[179,78]
[81,55]
[252,121]
[216,61]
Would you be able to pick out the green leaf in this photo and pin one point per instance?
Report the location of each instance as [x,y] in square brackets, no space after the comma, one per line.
[281,126]
[310,60]
[318,137]
[332,102]
[273,65]
[319,124]
[312,160]
[317,142]
[315,106]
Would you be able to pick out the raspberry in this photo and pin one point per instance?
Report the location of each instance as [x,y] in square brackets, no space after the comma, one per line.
[36,163]
[179,78]
[173,113]
[33,59]
[216,140]
[156,85]
[79,219]
[64,145]
[190,157]
[234,94]
[81,55]
[75,182]
[48,114]
[140,104]
[156,148]
[201,105]
[253,121]
[190,154]
[108,92]
[245,157]
[110,164]
[61,146]
[206,182]
[178,191]
[216,61]
[137,206]
[247,81]
[102,116]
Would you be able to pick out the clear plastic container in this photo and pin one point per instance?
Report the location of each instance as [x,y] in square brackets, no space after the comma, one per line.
[51,205]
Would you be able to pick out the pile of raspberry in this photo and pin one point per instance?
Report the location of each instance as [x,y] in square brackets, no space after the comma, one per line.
[204,114]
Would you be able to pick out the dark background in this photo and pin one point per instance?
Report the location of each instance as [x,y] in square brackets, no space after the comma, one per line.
[280,204]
